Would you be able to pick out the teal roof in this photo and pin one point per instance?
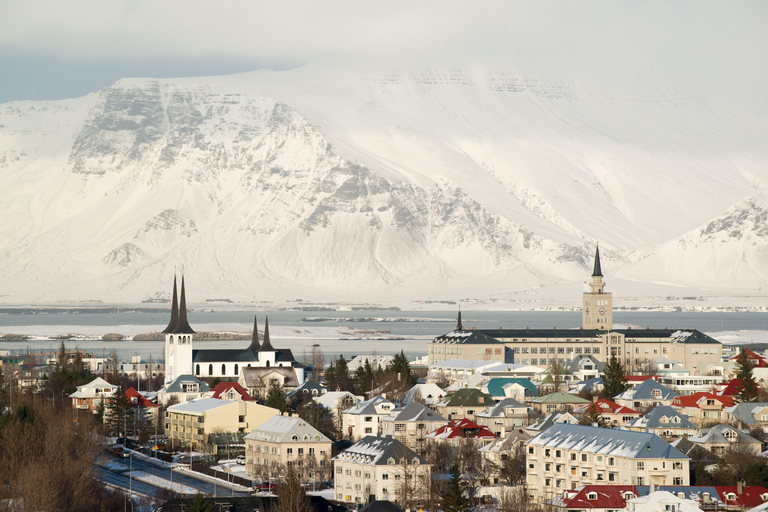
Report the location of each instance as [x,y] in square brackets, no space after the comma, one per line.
[496,386]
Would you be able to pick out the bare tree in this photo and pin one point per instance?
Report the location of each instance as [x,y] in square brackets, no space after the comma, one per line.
[318,362]
[646,367]
[291,494]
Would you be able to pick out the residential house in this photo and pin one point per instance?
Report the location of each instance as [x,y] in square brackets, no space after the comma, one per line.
[430,394]
[184,388]
[258,379]
[190,423]
[518,388]
[647,395]
[365,418]
[722,438]
[506,416]
[411,424]
[93,395]
[146,409]
[664,421]
[336,402]
[703,408]
[558,401]
[567,456]
[614,414]
[543,423]
[380,468]
[501,449]
[584,367]
[661,500]
[230,391]
[748,414]
[462,429]
[285,441]
[456,371]
[464,403]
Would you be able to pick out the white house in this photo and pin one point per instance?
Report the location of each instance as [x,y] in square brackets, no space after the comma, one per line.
[364,419]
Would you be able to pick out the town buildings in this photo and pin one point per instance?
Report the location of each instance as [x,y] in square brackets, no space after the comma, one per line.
[92,396]
[411,424]
[365,418]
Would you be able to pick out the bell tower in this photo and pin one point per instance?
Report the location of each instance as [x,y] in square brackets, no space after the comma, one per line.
[597,306]
[178,338]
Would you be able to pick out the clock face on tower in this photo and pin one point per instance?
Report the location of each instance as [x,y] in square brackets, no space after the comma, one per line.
[602,311]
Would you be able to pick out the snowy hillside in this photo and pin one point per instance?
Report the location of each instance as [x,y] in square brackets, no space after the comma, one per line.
[271,185]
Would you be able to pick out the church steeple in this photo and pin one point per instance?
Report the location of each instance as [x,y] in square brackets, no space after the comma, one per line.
[182,326]
[597,272]
[174,310]
[266,346]
[459,327]
[255,346]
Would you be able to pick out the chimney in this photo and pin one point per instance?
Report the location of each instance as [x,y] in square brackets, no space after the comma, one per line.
[594,399]
[740,487]
[652,488]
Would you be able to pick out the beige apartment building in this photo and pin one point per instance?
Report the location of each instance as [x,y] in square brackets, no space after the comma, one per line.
[568,456]
[285,441]
[192,422]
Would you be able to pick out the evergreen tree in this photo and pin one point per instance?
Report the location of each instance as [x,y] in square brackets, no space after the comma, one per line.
[199,504]
[614,379]
[756,473]
[454,500]
[320,418]
[61,360]
[400,366]
[701,476]
[331,382]
[593,416]
[119,413]
[276,397]
[748,391]
[342,374]
[364,378]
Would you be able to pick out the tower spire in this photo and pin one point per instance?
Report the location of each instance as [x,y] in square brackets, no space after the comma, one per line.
[255,346]
[174,309]
[182,326]
[266,346]
[597,272]
[459,327]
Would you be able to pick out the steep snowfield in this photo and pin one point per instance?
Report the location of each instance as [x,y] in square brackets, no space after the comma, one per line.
[323,183]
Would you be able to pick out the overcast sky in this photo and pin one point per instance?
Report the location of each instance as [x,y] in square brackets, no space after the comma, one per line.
[55,49]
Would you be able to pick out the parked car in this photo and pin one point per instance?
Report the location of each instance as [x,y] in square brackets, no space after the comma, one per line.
[241,459]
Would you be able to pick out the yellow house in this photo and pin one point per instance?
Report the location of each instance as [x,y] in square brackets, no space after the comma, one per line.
[192,422]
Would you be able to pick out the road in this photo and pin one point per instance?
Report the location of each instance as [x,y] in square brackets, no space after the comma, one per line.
[119,477]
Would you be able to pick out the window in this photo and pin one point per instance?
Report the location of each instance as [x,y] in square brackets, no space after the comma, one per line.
[534,350]
[197,369]
[573,456]
[385,476]
[210,369]
[677,480]
[349,472]
[223,369]
[547,452]
[530,450]
[611,461]
[731,435]
[551,350]
[547,467]
[235,369]
[592,496]
[611,477]
[640,465]
[289,451]
[369,418]
[358,473]
[583,457]
[656,393]
[339,471]
[301,451]
[367,475]
[557,454]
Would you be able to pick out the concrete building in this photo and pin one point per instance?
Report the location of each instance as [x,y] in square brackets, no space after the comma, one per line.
[664,421]
[467,344]
[365,418]
[184,388]
[556,402]
[647,395]
[190,423]
[411,424]
[382,468]
[284,441]
[464,403]
[614,414]
[568,456]
[722,438]
[508,415]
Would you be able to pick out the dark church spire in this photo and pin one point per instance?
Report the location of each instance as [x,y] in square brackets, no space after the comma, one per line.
[266,346]
[182,326]
[255,346]
[597,272]
[174,309]
[459,327]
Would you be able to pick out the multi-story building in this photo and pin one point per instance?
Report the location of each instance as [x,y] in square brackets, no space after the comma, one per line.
[464,403]
[615,415]
[285,441]
[184,388]
[556,402]
[365,418]
[410,424]
[646,395]
[509,415]
[703,409]
[382,468]
[91,396]
[190,423]
[568,456]
[721,438]
[664,421]
[469,344]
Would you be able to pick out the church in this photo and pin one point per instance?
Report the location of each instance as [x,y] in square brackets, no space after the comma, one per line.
[696,351]
[182,359]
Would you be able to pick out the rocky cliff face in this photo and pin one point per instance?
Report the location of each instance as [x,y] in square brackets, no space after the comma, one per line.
[274,186]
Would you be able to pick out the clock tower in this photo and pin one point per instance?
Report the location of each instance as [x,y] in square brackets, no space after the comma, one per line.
[597,305]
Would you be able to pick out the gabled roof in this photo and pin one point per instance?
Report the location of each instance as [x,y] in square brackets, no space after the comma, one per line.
[695,451]
[468,397]
[430,393]
[369,406]
[253,376]
[462,429]
[223,387]
[663,416]
[559,398]
[175,385]
[733,388]
[199,405]
[309,386]
[544,423]
[695,400]
[607,497]
[287,429]
[645,390]
[331,399]
[507,443]
[757,360]
[612,496]
[137,399]
[496,386]
[716,435]
[686,336]
[378,451]
[606,407]
[745,411]
[381,506]
[499,410]
[89,390]
[414,412]
[578,362]
[606,441]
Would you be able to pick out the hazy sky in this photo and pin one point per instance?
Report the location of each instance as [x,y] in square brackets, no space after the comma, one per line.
[55,49]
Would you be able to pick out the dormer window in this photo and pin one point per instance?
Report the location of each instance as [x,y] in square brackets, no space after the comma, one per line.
[391,461]
[592,496]
[731,435]
[294,437]
[656,393]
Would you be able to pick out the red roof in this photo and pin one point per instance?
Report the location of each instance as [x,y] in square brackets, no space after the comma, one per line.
[223,387]
[137,399]
[758,360]
[612,496]
[694,400]
[731,389]
[463,429]
[607,406]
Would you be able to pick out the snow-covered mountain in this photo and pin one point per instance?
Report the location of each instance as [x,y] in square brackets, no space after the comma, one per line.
[321,183]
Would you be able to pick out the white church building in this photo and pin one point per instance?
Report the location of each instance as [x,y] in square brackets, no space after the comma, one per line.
[182,359]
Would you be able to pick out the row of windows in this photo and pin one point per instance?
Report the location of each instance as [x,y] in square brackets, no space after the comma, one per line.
[557,350]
